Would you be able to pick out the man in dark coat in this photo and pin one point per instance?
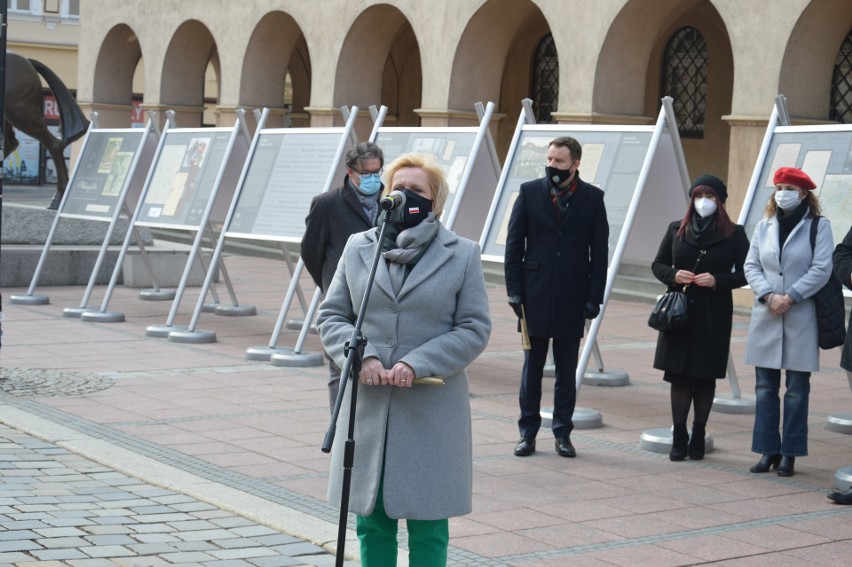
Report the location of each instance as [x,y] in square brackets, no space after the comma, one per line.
[555,265]
[335,216]
[842,259]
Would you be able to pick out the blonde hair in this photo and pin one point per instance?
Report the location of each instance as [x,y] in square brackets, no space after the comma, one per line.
[433,171]
[810,197]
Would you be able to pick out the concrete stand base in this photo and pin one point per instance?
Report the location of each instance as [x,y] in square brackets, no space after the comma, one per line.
[660,440]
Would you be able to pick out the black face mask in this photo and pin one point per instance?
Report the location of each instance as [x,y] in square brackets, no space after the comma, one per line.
[413,212]
[557,176]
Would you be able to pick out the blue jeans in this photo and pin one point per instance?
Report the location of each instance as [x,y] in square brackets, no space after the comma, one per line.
[793,440]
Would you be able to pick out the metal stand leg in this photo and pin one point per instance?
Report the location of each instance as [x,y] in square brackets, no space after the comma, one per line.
[602,377]
[235,309]
[296,357]
[156,294]
[735,403]
[265,352]
[295,324]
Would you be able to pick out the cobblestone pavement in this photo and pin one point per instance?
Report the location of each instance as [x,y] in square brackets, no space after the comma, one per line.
[57,508]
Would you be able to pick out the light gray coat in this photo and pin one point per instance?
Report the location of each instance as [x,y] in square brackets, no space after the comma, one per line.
[438,325]
[788,341]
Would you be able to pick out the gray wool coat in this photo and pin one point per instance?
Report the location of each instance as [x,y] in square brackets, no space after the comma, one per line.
[789,341]
[420,437]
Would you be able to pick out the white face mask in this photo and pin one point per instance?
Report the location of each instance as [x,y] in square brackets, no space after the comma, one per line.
[787,200]
[705,206]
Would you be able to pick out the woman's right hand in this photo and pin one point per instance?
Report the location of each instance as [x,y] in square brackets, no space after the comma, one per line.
[373,373]
[683,277]
[779,303]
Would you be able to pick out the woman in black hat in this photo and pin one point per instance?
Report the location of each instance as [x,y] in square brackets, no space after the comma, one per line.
[693,358]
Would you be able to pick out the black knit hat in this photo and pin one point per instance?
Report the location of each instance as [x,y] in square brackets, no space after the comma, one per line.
[714,183]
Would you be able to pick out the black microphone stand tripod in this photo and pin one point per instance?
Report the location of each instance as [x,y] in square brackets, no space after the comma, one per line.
[354,351]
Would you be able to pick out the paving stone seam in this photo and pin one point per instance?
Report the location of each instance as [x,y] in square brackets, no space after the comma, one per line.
[838,512]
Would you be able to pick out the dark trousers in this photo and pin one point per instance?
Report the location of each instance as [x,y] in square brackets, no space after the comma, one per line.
[565,354]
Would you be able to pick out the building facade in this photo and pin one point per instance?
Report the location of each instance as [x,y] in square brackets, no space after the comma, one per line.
[602,62]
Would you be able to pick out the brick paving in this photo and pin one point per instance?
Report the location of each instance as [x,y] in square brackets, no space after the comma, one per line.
[142,451]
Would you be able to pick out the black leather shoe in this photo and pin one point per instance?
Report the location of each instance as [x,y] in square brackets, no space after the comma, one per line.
[844,497]
[766,463]
[564,448]
[525,447]
[785,468]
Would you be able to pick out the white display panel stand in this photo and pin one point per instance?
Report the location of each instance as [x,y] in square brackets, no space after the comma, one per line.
[194,170]
[285,169]
[105,183]
[643,174]
[468,159]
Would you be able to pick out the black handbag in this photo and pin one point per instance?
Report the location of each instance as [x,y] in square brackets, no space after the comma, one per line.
[829,306]
[672,309]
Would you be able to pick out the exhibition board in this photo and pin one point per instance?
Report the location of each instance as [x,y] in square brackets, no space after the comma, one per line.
[105,162]
[471,167]
[613,159]
[286,170]
[825,154]
[184,174]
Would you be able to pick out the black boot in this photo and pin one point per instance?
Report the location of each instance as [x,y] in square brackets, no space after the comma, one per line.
[696,442]
[680,440]
[786,467]
[765,463]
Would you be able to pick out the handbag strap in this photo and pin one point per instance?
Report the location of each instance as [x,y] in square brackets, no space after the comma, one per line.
[701,254]
[814,227]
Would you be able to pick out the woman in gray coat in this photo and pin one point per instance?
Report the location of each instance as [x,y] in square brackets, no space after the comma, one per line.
[427,316]
[784,271]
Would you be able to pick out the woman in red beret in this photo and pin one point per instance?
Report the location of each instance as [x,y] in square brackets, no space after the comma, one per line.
[693,359]
[784,270]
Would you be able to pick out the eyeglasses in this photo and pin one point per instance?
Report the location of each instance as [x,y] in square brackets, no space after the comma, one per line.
[369,173]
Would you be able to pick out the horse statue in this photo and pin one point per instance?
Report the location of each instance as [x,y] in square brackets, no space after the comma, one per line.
[24,103]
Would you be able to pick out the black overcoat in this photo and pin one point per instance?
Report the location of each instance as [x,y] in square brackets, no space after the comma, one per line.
[556,267]
[334,216]
[701,350]
[843,270]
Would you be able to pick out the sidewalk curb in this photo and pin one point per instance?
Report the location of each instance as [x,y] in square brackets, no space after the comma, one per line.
[276,516]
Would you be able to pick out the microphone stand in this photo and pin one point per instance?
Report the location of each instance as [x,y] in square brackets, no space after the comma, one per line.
[354,351]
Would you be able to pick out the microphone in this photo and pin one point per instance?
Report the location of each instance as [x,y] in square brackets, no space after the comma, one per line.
[394,200]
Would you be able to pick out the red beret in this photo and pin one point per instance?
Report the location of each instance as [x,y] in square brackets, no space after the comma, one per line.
[793,176]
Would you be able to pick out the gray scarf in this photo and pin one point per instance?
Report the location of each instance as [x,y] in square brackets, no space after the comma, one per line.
[411,244]
[370,203]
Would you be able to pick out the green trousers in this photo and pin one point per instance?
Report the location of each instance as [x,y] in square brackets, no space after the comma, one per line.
[427,539]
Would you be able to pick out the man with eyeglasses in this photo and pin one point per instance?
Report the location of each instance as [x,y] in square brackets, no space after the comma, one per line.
[336,215]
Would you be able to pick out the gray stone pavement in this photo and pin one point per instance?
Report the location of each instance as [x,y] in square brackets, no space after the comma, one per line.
[58,508]
[156,421]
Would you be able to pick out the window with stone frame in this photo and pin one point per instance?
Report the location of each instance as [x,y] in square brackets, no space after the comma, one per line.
[841,84]
[684,78]
[545,80]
